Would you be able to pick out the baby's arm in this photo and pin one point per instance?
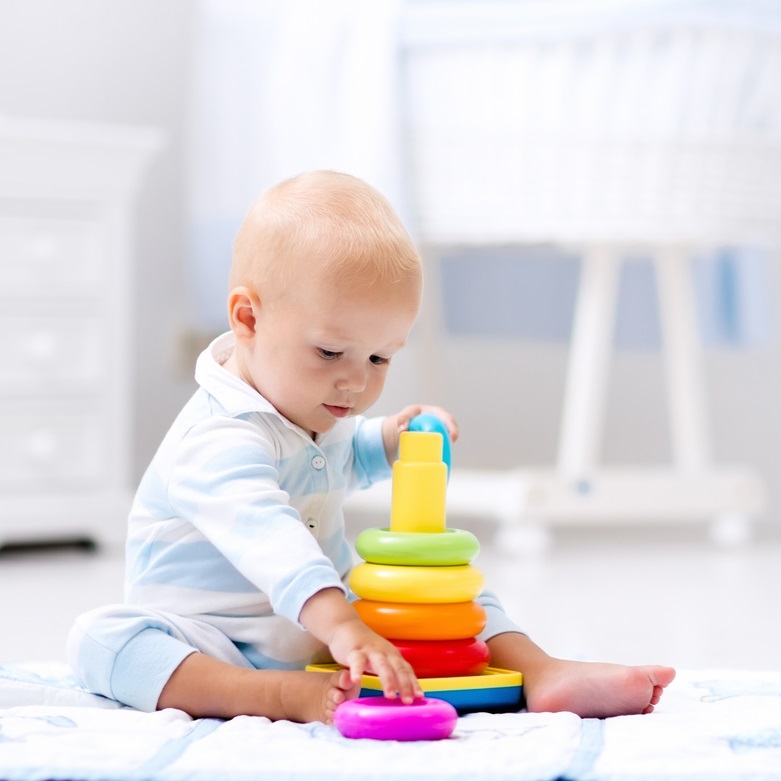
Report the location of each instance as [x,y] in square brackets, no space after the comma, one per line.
[393,425]
[332,619]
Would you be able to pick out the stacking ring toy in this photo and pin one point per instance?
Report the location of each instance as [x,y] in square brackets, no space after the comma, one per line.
[389,583]
[400,621]
[445,658]
[378,718]
[429,422]
[449,548]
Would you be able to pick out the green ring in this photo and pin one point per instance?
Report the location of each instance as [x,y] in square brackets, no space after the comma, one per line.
[450,548]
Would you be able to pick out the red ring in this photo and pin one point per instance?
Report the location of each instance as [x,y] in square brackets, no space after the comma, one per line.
[445,658]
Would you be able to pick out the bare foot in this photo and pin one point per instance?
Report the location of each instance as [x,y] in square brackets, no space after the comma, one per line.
[206,687]
[589,689]
[339,688]
[595,690]
[308,696]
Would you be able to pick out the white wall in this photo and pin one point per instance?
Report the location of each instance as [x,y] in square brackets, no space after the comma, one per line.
[126,61]
[121,61]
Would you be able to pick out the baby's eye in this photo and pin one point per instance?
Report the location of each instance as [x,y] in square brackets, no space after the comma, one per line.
[378,360]
[329,355]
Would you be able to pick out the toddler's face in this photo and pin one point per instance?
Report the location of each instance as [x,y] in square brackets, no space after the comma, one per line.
[322,353]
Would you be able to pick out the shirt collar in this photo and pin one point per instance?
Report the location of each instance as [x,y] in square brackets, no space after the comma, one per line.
[233,394]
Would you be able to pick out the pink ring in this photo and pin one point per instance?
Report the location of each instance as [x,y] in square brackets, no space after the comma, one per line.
[378,718]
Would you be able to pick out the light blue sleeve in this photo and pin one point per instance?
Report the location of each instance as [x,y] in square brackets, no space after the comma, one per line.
[370,464]
[498,621]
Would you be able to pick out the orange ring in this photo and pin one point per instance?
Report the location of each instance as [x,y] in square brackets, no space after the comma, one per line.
[404,621]
[445,658]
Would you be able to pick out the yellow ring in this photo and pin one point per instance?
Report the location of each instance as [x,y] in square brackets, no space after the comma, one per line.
[400,621]
[448,548]
[389,583]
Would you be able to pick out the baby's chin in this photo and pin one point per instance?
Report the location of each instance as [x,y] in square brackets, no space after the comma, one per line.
[318,427]
[324,426]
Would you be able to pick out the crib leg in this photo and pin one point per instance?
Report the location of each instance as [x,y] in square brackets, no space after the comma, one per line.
[589,362]
[683,358]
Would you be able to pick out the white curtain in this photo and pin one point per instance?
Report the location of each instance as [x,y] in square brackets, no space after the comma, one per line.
[283,86]
[280,88]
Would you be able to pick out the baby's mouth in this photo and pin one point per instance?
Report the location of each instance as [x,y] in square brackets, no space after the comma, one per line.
[338,412]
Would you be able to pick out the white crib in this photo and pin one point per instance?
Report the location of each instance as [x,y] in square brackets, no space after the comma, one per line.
[647,127]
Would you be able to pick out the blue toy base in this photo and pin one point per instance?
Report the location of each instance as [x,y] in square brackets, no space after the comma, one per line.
[495,690]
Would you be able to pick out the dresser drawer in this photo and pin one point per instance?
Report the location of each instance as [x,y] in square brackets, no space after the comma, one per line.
[51,355]
[52,451]
[50,256]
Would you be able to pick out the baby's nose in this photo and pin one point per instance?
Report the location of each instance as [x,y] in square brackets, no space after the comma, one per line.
[354,380]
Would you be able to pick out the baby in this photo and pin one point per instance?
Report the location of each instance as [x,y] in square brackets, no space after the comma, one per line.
[236,556]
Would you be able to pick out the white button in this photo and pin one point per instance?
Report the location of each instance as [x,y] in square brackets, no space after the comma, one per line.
[318,462]
[311,523]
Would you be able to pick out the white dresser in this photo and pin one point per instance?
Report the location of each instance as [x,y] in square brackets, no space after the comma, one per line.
[67,195]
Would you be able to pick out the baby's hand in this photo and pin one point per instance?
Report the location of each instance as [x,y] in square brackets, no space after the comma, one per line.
[393,425]
[361,650]
[332,619]
[405,416]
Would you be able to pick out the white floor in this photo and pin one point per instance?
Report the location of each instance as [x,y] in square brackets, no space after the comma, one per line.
[615,595]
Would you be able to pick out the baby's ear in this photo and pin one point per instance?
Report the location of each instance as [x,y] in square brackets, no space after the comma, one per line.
[242,306]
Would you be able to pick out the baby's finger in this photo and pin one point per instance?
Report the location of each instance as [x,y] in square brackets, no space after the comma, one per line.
[407,684]
[405,416]
[387,675]
[448,420]
[358,666]
[402,679]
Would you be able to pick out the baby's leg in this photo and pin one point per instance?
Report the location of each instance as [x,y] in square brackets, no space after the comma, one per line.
[150,659]
[206,687]
[128,653]
[586,688]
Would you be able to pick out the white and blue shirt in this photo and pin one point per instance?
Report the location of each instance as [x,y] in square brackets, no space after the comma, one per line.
[239,515]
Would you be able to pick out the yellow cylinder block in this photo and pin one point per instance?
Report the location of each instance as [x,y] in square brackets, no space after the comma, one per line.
[419,484]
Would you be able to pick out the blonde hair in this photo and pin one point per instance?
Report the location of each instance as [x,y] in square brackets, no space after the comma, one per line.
[322,222]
